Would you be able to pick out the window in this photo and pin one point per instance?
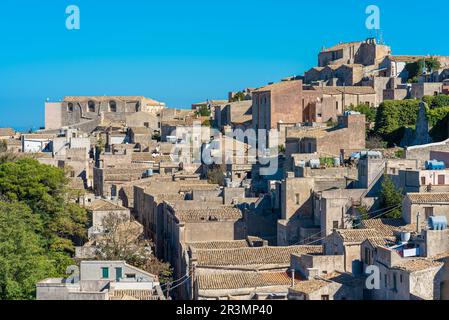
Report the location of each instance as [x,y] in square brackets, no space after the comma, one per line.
[441,180]
[91,106]
[70,107]
[113,106]
[367,256]
[146,124]
[395,284]
[336,105]
[72,174]
[335,224]
[137,106]
[428,212]
[325,297]
[386,281]
[118,273]
[105,273]
[297,198]
[423,181]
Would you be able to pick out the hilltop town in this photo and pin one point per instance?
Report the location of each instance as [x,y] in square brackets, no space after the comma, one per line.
[333,185]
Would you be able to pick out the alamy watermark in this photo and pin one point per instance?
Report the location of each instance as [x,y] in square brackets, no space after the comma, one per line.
[73,20]
[199,144]
[373,20]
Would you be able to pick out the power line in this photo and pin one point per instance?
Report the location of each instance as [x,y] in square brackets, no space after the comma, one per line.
[190,274]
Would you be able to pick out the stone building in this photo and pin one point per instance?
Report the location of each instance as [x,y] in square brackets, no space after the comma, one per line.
[73,111]
[234,114]
[37,143]
[102,280]
[7,133]
[349,134]
[101,209]
[419,90]
[366,53]
[216,271]
[334,286]
[144,119]
[421,206]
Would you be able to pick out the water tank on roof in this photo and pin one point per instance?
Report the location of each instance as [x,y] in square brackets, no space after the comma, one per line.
[337,162]
[302,163]
[149,173]
[405,237]
[435,165]
[438,223]
[314,163]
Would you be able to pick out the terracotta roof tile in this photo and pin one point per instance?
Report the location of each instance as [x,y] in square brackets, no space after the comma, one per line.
[219,244]
[208,214]
[429,197]
[418,265]
[242,280]
[357,235]
[253,255]
[309,286]
[104,205]
[384,227]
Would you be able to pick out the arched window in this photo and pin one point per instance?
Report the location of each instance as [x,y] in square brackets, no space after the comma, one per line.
[112,106]
[137,106]
[91,106]
[70,107]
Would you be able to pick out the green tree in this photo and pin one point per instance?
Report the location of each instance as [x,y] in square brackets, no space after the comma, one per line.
[239,96]
[438,101]
[44,190]
[414,69]
[123,240]
[391,197]
[23,258]
[367,110]
[203,111]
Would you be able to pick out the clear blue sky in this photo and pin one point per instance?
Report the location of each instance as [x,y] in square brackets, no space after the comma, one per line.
[181,52]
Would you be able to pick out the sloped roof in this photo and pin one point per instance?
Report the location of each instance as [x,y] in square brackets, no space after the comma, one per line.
[7,132]
[418,265]
[335,90]
[253,255]
[104,205]
[309,286]
[223,281]
[219,244]
[384,227]
[277,85]
[429,197]
[357,235]
[208,214]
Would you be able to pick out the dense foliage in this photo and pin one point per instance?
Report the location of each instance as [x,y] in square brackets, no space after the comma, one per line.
[41,222]
[203,111]
[369,111]
[414,69]
[124,241]
[393,116]
[239,96]
[391,197]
